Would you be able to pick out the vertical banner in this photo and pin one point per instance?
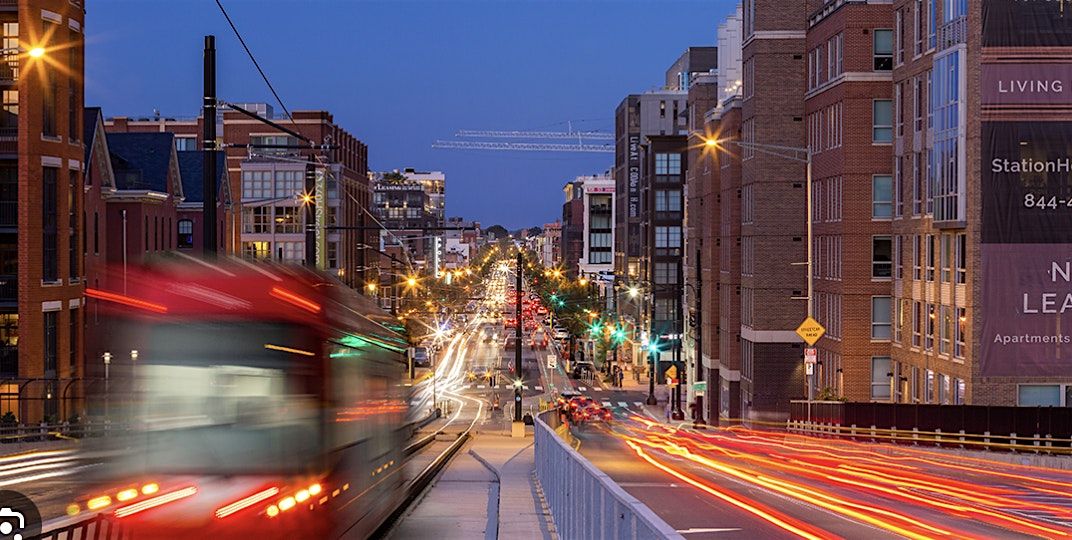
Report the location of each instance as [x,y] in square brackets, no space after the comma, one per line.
[321,194]
[1027,249]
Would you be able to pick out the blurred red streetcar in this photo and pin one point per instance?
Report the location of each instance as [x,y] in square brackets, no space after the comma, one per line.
[266,401]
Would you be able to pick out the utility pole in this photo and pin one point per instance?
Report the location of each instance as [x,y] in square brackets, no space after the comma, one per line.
[517,342]
[208,169]
[678,414]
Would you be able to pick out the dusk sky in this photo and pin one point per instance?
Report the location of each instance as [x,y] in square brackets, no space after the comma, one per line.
[400,74]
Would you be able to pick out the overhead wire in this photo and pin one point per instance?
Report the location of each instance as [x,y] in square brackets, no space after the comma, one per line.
[316,156]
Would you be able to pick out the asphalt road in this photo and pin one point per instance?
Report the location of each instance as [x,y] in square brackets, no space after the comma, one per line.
[738,483]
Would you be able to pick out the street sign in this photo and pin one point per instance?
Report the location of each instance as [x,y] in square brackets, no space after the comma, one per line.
[811,355]
[700,386]
[810,331]
[671,372]
[809,369]
[552,361]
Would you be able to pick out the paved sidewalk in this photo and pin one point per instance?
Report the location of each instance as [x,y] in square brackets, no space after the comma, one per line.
[488,491]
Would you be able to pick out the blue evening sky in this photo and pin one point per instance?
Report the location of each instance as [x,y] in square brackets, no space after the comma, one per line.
[399,74]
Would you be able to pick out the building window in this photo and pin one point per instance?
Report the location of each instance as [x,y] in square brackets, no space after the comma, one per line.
[256,250]
[960,342]
[881,257]
[667,237]
[333,254]
[257,219]
[256,185]
[290,251]
[74,338]
[668,201]
[945,342]
[917,258]
[882,121]
[96,233]
[287,220]
[48,100]
[947,258]
[1039,395]
[51,343]
[289,183]
[72,217]
[880,378]
[930,257]
[959,390]
[186,234]
[667,164]
[881,196]
[928,388]
[917,324]
[962,257]
[883,49]
[898,257]
[881,313]
[946,157]
[49,218]
[9,341]
[185,144]
[932,320]
[665,273]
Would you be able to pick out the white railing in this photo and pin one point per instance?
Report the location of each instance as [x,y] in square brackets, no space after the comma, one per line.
[585,502]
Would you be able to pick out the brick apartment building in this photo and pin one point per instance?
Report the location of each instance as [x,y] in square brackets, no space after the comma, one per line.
[848,119]
[772,198]
[41,287]
[250,164]
[726,391]
[189,225]
[701,256]
[572,227]
[662,179]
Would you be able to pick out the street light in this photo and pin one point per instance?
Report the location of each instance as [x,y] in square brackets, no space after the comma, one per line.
[36,52]
[791,153]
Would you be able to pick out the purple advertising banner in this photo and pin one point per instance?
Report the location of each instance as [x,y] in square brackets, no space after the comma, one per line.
[1027,182]
[1027,294]
[1027,84]
[1027,23]
[1026,250]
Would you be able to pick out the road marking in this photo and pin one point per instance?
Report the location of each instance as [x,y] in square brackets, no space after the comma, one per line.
[622,404]
[606,404]
[637,404]
[524,388]
[597,389]
[480,387]
[540,388]
[696,530]
[581,388]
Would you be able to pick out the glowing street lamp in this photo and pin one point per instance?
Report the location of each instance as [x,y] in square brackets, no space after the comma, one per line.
[36,52]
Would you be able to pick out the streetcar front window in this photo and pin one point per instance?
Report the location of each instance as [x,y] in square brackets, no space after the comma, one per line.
[213,399]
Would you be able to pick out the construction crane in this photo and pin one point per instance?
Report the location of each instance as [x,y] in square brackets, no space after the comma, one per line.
[579,136]
[524,147]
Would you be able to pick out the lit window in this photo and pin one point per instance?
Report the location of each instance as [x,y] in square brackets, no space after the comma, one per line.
[186,234]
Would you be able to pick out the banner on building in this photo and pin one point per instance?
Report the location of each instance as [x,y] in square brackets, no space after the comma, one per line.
[1027,23]
[1027,84]
[321,197]
[634,176]
[1026,249]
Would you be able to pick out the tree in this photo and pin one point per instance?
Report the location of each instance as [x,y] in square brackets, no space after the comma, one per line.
[394,177]
[535,231]
[498,231]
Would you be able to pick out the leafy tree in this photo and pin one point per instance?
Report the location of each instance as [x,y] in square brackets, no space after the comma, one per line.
[394,177]
[498,231]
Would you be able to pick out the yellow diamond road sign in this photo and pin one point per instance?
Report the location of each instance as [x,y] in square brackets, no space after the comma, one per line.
[810,331]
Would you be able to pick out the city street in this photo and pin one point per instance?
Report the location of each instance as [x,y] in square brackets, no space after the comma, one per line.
[741,483]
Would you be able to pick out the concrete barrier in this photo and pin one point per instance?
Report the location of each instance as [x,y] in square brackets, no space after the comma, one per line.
[585,502]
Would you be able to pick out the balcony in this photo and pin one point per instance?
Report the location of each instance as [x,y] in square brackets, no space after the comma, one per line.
[953,33]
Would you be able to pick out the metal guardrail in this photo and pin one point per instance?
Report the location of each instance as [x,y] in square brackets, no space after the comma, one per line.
[98,527]
[585,502]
